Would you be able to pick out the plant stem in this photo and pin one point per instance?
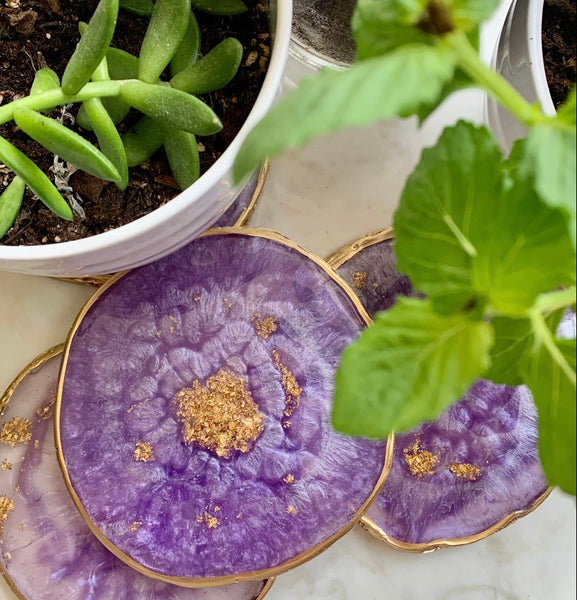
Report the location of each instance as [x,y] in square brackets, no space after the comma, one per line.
[544,335]
[52,98]
[495,85]
[552,301]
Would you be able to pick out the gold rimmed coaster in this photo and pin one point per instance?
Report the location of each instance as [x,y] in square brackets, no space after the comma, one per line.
[48,552]
[406,503]
[240,251]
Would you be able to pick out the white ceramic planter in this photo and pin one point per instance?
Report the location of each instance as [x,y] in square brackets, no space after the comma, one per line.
[518,57]
[176,223]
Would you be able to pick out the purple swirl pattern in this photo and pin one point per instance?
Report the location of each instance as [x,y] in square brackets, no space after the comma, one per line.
[482,455]
[183,318]
[48,551]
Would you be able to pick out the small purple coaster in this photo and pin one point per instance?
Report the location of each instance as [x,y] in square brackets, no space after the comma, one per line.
[48,551]
[234,320]
[470,472]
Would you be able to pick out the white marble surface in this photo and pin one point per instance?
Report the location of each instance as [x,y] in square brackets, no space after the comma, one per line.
[334,190]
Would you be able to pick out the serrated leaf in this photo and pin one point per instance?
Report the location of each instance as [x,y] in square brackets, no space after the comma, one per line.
[407,367]
[381,26]
[548,162]
[465,233]
[554,394]
[355,97]
[524,232]
[437,221]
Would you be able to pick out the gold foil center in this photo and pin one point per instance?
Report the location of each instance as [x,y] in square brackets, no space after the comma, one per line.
[420,462]
[221,415]
[264,326]
[465,471]
[6,507]
[143,451]
[16,431]
[360,279]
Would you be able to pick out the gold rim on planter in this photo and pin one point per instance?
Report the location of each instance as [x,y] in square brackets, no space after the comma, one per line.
[337,259]
[196,582]
[242,221]
[36,363]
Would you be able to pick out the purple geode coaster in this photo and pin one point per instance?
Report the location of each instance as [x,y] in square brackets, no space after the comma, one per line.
[472,471]
[48,551]
[194,415]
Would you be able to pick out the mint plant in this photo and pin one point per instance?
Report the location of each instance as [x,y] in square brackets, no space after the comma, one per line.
[489,240]
[108,82]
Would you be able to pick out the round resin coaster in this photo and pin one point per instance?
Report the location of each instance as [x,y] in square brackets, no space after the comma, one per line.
[472,471]
[194,412]
[47,550]
[238,214]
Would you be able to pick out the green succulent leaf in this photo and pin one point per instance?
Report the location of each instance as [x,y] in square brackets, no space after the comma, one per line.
[65,143]
[189,50]
[10,203]
[213,71]
[355,97]
[172,107]
[108,138]
[548,162]
[220,7]
[551,378]
[142,140]
[163,36]
[44,80]
[91,48]
[35,179]
[466,235]
[407,367]
[182,153]
[121,64]
[142,8]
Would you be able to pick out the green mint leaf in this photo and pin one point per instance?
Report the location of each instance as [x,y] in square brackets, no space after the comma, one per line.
[355,97]
[553,389]
[381,26]
[436,222]
[549,162]
[408,367]
[526,250]
[514,346]
[467,234]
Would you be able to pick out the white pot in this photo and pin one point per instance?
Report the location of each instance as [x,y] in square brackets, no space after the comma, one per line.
[518,57]
[176,223]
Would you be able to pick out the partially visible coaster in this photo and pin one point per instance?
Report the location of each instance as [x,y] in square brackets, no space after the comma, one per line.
[469,473]
[238,214]
[47,550]
[194,412]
